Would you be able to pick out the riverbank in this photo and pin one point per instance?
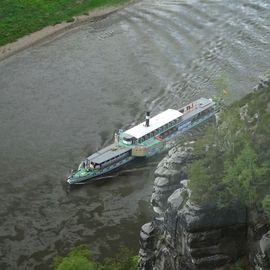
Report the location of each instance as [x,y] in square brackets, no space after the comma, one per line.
[52,31]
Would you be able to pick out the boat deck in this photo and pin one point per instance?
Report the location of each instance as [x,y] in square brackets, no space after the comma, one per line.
[202,104]
[112,150]
[118,154]
[110,154]
[107,153]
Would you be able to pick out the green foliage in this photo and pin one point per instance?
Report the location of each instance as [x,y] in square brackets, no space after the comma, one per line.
[77,259]
[76,263]
[200,180]
[233,163]
[80,259]
[208,175]
[266,206]
[21,17]
[240,178]
[203,174]
[124,260]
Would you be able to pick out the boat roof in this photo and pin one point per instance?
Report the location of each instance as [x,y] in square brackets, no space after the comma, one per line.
[201,105]
[109,154]
[202,102]
[155,123]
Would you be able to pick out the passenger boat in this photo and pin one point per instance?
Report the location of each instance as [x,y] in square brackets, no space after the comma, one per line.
[144,140]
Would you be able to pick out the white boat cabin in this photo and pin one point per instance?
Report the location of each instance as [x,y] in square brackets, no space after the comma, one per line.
[158,124]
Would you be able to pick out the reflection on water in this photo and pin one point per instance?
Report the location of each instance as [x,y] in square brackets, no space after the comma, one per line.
[63,100]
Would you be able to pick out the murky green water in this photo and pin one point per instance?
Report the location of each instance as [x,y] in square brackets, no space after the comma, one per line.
[63,100]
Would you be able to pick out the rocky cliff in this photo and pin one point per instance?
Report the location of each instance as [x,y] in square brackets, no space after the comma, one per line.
[186,236]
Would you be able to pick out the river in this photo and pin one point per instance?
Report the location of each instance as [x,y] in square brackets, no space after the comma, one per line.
[62,100]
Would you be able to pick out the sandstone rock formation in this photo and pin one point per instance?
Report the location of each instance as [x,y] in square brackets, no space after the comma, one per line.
[264,82]
[191,237]
[168,174]
[186,236]
[258,240]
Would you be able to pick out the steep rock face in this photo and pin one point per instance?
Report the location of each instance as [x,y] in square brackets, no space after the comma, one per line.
[259,228]
[186,236]
[259,240]
[264,82]
[190,237]
[170,171]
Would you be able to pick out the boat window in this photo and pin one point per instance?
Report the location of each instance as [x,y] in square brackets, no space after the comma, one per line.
[128,140]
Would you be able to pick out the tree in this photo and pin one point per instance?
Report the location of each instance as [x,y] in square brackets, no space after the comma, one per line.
[77,259]
[200,181]
[205,177]
[80,259]
[240,178]
[233,158]
[76,263]
[124,260]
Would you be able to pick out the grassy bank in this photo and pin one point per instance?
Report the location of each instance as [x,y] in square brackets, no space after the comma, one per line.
[21,17]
